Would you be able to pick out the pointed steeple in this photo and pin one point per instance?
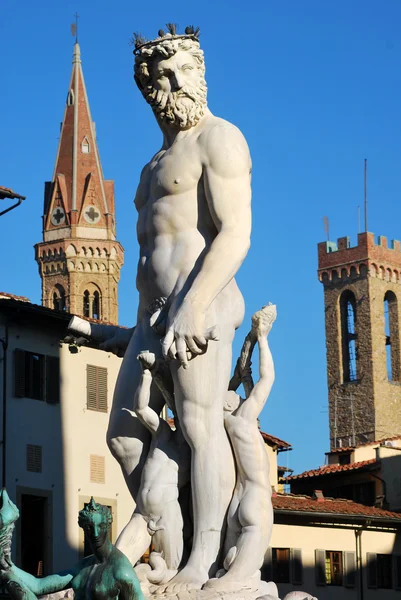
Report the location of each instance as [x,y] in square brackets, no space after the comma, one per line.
[79,208]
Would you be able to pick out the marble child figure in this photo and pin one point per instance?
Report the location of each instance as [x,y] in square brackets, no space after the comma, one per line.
[157,518]
[250,515]
[194,223]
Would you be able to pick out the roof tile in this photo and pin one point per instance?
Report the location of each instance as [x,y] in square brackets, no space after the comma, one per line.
[329,469]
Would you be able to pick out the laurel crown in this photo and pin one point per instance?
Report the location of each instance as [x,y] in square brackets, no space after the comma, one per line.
[191,33]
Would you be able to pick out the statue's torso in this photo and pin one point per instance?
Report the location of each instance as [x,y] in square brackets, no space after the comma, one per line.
[174,221]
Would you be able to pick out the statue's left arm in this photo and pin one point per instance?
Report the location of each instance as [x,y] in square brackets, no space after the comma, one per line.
[252,407]
[226,181]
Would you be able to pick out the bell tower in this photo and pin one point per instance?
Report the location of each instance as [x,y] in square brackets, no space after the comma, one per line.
[362,294]
[79,259]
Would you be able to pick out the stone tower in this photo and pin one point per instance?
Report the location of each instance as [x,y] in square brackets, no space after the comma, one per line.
[79,259]
[362,292]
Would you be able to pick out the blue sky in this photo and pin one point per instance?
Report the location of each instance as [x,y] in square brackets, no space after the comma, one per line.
[314,86]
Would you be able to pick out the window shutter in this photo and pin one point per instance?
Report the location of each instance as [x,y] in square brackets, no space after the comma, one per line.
[397,571]
[102,388]
[371,559]
[19,373]
[52,379]
[267,566]
[320,567]
[349,569]
[96,388]
[34,458]
[296,566]
[97,470]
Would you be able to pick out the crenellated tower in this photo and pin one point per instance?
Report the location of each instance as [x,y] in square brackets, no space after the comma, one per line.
[79,259]
[362,295]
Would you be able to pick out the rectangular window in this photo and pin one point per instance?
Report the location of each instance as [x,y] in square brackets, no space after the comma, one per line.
[384,571]
[334,567]
[36,376]
[34,458]
[281,565]
[97,474]
[96,388]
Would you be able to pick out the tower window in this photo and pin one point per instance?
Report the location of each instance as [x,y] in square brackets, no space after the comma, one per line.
[92,302]
[391,336]
[86,310]
[70,98]
[348,336]
[85,148]
[58,298]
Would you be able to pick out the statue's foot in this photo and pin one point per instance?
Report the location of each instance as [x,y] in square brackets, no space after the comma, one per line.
[187,579]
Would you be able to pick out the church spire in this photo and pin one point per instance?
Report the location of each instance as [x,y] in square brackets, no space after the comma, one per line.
[79,213]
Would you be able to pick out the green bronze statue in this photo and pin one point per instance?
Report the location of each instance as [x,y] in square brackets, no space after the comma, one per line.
[104,575]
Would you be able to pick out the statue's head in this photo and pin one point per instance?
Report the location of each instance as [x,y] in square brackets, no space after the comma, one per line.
[95,519]
[170,72]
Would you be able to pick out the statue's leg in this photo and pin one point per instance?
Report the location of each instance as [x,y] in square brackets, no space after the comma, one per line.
[256,517]
[134,538]
[200,391]
[127,438]
[168,539]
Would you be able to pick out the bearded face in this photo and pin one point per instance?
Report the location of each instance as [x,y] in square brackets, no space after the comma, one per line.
[177,93]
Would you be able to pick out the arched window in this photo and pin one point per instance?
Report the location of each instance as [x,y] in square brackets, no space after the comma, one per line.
[392,336]
[70,98]
[96,305]
[58,297]
[86,310]
[348,336]
[92,302]
[85,148]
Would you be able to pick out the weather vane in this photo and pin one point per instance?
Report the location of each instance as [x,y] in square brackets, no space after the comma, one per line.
[74,28]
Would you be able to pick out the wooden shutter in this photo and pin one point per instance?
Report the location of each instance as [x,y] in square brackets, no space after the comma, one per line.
[349,569]
[97,470]
[397,571]
[96,388]
[102,388]
[320,567]
[19,373]
[371,559]
[52,379]
[296,566]
[267,566]
[34,458]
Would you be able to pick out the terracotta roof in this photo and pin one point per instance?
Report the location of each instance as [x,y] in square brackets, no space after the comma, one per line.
[351,448]
[329,469]
[334,506]
[8,193]
[7,296]
[284,469]
[275,441]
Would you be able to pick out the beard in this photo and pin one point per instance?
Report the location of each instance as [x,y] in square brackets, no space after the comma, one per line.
[182,109]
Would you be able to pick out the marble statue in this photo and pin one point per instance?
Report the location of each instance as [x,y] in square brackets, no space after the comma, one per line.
[250,515]
[194,223]
[105,574]
[158,518]
[202,491]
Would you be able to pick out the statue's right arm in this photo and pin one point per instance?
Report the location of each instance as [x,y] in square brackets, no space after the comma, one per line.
[141,403]
[252,407]
[50,583]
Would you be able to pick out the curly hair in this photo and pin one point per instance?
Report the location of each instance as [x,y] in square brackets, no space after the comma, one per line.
[167,47]
[92,507]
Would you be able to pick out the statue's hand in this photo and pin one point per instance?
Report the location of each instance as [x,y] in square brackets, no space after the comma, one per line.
[186,335]
[263,320]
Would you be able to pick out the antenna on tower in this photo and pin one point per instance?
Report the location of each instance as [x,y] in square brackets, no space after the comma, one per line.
[74,28]
[365,192]
[359,219]
[326,227]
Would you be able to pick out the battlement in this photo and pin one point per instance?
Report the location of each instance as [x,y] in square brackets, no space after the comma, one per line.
[377,257]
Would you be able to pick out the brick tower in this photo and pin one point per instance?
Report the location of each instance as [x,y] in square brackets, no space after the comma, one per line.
[79,259]
[362,290]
